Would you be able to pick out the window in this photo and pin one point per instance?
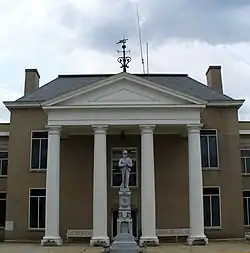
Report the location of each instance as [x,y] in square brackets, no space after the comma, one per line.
[2,209]
[211,202]
[3,163]
[39,148]
[246,207]
[37,208]
[116,177]
[245,161]
[209,149]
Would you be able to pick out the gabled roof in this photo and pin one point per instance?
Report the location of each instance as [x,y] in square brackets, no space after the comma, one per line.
[179,82]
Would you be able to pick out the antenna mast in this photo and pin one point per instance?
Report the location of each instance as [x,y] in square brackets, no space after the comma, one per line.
[139,33]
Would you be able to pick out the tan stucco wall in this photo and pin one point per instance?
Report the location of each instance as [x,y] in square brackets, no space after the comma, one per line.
[225,120]
[171,165]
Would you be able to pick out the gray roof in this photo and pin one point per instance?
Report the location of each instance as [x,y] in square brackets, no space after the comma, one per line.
[66,83]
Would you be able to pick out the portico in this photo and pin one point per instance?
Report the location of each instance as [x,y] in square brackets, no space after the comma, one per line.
[124,100]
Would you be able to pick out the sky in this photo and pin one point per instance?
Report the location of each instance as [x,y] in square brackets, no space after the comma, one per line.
[79,37]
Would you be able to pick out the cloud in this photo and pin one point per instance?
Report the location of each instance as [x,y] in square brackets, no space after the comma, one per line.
[75,36]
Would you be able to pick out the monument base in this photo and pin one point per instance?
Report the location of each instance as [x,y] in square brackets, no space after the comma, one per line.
[149,241]
[99,241]
[51,241]
[124,242]
[197,240]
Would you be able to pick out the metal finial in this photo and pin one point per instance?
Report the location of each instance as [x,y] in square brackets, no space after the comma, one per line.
[124,60]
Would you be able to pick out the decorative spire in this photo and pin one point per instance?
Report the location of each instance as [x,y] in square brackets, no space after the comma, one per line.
[124,60]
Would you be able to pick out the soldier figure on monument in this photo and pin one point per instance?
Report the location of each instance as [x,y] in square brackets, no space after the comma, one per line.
[125,163]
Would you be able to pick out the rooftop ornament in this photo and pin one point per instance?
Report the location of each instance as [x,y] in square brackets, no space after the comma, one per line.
[124,60]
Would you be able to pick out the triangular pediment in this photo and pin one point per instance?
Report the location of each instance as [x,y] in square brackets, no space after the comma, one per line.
[123,89]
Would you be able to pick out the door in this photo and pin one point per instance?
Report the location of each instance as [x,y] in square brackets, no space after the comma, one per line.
[134,215]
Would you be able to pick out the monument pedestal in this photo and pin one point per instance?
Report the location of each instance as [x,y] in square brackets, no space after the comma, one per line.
[124,240]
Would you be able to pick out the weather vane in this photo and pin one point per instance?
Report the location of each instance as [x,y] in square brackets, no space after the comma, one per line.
[124,60]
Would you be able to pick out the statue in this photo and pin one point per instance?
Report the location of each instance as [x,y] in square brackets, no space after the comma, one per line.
[125,163]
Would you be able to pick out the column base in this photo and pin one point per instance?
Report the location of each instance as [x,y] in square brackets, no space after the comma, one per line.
[197,240]
[51,241]
[149,241]
[99,241]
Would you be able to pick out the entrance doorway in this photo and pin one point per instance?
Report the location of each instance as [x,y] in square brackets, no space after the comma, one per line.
[134,215]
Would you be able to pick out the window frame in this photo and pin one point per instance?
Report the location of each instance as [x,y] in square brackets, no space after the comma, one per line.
[1,159]
[36,229]
[244,173]
[5,207]
[111,165]
[220,216]
[217,148]
[31,146]
[246,190]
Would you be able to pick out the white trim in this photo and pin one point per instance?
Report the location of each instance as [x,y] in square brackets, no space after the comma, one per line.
[137,165]
[4,133]
[217,148]
[1,159]
[114,105]
[30,167]
[238,102]
[244,157]
[215,186]
[36,229]
[248,214]
[13,104]
[118,77]
[244,132]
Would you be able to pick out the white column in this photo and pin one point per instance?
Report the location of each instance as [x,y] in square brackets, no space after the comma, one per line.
[52,189]
[100,188]
[148,219]
[197,235]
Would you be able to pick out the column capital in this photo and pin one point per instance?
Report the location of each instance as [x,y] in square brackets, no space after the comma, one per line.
[147,128]
[100,129]
[53,129]
[194,128]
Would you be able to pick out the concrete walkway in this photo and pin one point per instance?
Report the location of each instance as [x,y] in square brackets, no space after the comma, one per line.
[213,247]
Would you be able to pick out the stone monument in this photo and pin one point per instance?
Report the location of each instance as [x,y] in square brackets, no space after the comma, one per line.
[124,240]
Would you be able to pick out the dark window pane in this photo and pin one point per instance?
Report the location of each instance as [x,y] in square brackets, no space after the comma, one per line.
[42,201]
[204,151]
[246,193]
[215,211]
[38,192]
[132,180]
[33,212]
[3,155]
[134,223]
[248,210]
[3,195]
[133,169]
[213,151]
[43,134]
[117,179]
[115,217]
[207,215]
[247,165]
[44,151]
[243,169]
[4,167]
[207,132]
[212,190]
[2,212]
[117,154]
[245,153]
[245,211]
[115,167]
[35,154]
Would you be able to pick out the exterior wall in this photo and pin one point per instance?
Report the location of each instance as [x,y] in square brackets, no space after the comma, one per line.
[19,178]
[171,175]
[228,177]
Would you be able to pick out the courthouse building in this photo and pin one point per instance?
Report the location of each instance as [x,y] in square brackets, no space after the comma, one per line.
[59,158]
